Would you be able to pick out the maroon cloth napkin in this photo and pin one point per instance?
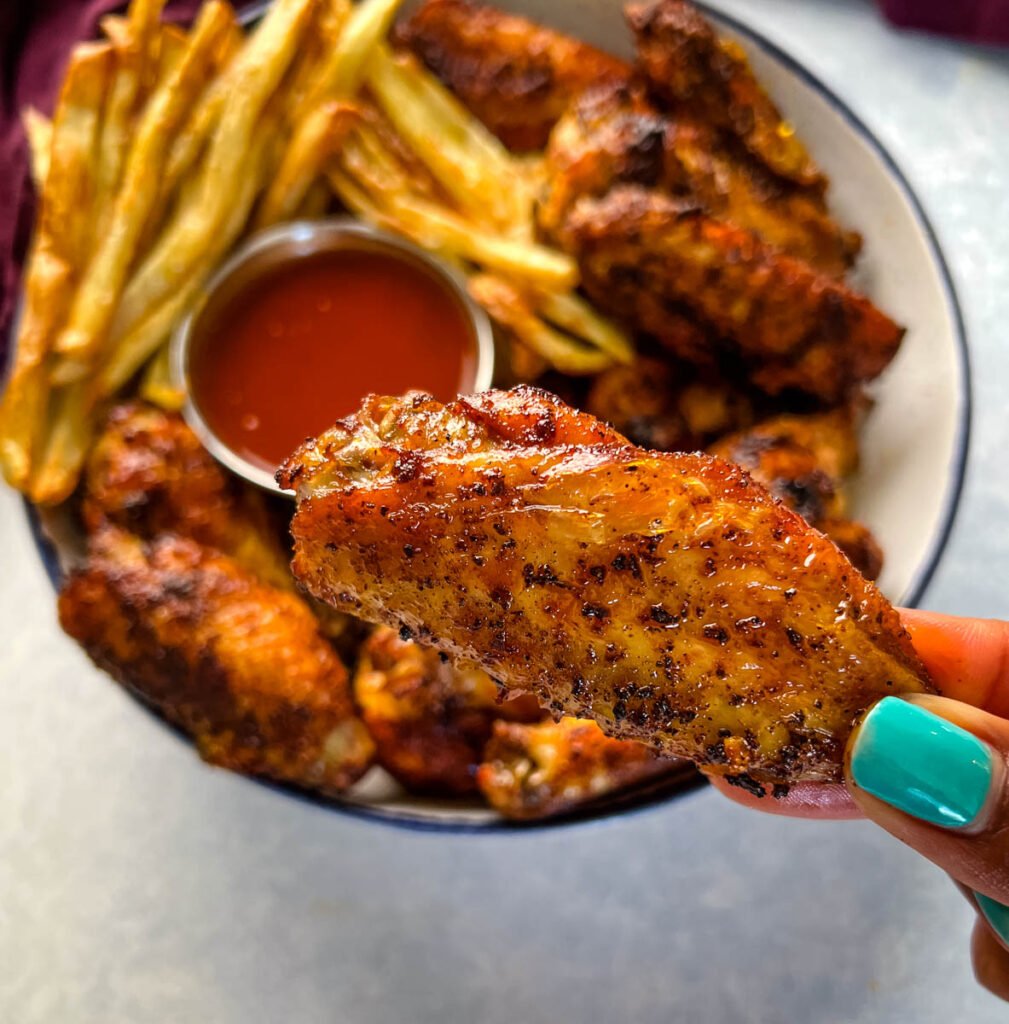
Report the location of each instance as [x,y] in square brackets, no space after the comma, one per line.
[36,37]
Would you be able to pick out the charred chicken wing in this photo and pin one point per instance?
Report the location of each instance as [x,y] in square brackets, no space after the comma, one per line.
[667,596]
[539,770]
[687,64]
[514,75]
[238,664]
[430,719]
[643,255]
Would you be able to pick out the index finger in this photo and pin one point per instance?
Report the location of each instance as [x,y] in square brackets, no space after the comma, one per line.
[968,659]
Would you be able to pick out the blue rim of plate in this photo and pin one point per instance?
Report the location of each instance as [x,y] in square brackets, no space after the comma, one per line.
[651,795]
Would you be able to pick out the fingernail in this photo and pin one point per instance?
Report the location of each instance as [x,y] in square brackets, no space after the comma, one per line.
[921,764]
[996,914]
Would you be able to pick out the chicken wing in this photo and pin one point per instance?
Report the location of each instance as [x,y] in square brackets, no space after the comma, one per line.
[667,596]
[430,719]
[614,135]
[514,75]
[149,474]
[239,665]
[802,460]
[644,255]
[544,769]
[655,404]
[687,63]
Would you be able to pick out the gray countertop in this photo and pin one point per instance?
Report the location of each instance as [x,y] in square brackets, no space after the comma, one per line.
[136,885]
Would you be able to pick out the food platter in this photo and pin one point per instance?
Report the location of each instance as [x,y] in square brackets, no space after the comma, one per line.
[915,436]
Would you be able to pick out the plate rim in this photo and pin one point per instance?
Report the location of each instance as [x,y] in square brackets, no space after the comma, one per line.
[650,796]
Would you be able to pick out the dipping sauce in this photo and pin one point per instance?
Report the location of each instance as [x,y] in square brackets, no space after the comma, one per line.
[299,344]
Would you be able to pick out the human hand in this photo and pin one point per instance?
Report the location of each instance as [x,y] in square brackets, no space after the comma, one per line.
[932,771]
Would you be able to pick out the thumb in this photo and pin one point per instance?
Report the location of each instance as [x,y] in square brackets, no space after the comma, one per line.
[932,771]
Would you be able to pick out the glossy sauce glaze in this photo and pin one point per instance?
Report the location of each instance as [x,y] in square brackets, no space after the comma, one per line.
[299,346]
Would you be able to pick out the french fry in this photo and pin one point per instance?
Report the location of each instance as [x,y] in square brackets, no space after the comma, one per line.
[54,256]
[470,163]
[158,386]
[172,45]
[509,306]
[264,60]
[300,167]
[39,132]
[576,317]
[99,290]
[339,78]
[315,203]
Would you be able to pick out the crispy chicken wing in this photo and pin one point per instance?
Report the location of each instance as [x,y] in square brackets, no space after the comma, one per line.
[236,663]
[687,63]
[514,75]
[668,597]
[539,770]
[149,474]
[613,135]
[430,719]
[803,460]
[644,255]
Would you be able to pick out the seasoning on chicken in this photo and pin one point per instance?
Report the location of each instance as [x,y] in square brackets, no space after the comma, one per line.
[430,719]
[238,664]
[667,596]
[803,461]
[514,75]
[614,135]
[790,328]
[548,768]
[686,62]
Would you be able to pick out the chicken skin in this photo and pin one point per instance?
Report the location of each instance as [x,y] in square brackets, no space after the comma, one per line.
[430,719]
[802,460]
[687,64]
[666,596]
[516,76]
[238,664]
[614,135]
[548,768]
[644,255]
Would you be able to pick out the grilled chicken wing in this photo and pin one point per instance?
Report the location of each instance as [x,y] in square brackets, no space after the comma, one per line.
[514,75]
[668,597]
[614,135]
[149,474]
[803,460]
[236,663]
[430,719]
[539,770]
[686,63]
[643,255]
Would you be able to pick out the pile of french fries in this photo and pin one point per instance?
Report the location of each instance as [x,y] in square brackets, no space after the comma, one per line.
[167,147]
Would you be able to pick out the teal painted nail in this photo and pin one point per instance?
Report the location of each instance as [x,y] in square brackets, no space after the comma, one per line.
[921,764]
[996,914]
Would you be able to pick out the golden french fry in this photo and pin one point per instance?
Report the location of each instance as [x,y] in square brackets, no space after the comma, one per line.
[99,290]
[144,26]
[576,317]
[469,163]
[157,385]
[54,257]
[263,62]
[344,72]
[512,308]
[171,49]
[66,444]
[39,131]
[301,166]
[316,201]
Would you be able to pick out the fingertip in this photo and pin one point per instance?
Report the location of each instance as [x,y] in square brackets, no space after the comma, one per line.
[825,801]
[990,960]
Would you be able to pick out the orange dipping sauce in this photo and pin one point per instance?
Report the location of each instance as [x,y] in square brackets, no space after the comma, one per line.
[301,343]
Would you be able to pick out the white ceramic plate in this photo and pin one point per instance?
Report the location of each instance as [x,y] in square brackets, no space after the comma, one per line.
[915,438]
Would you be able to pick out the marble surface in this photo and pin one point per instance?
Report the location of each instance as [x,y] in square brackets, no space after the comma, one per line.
[138,886]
